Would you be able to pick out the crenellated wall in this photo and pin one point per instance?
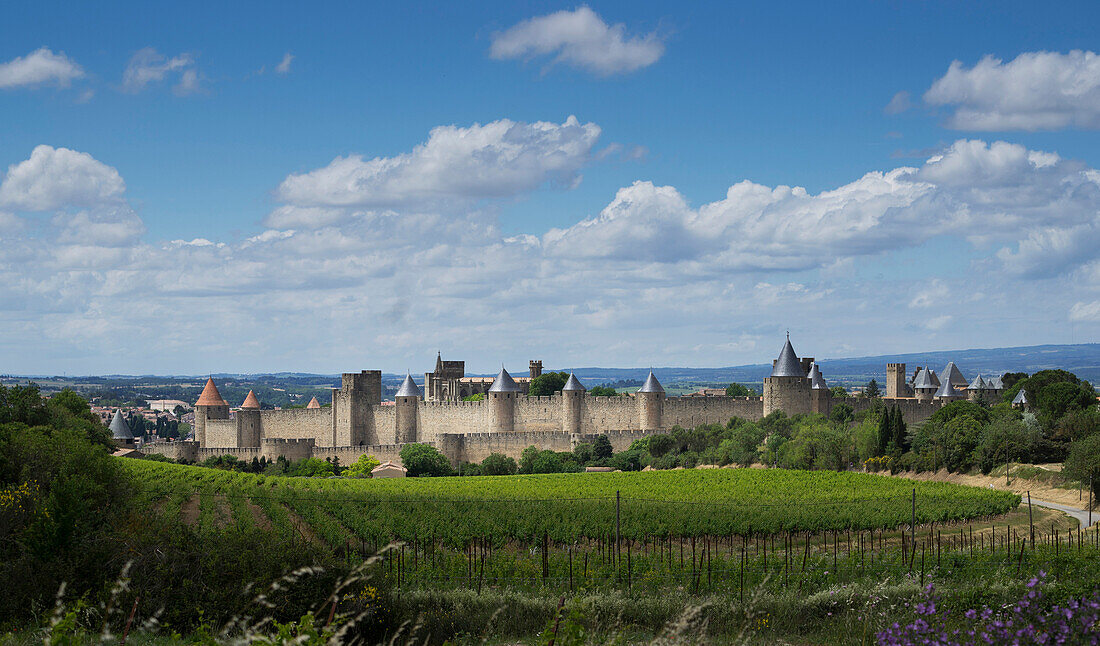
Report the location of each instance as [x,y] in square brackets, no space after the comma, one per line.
[296,424]
[689,412]
[608,413]
[439,418]
[221,432]
[185,450]
[913,411]
[539,413]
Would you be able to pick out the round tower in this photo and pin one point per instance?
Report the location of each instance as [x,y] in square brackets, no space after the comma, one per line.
[788,388]
[924,385]
[572,404]
[248,422]
[651,404]
[209,406]
[821,399]
[502,402]
[408,399]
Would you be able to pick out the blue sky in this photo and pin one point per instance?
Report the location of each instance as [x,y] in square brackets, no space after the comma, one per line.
[178,201]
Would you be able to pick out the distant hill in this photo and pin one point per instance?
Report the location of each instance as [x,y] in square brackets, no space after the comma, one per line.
[1081,359]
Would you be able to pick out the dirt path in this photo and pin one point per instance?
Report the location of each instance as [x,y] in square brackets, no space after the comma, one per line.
[1042,490]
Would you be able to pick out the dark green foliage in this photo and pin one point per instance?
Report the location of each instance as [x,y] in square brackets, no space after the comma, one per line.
[1083,462]
[841,414]
[1009,379]
[872,389]
[424,460]
[603,391]
[838,392]
[547,383]
[67,499]
[739,390]
[660,445]
[957,408]
[629,460]
[601,448]
[498,464]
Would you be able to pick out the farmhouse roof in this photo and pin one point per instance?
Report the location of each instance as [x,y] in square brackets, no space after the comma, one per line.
[210,395]
[787,365]
[120,430]
[924,379]
[651,385]
[952,373]
[313,403]
[1021,398]
[408,387]
[817,381]
[386,466]
[250,401]
[504,383]
[573,384]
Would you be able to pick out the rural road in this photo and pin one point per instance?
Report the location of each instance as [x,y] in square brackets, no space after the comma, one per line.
[1082,515]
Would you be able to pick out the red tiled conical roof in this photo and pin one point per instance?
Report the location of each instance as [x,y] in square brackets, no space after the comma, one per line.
[250,401]
[313,403]
[210,395]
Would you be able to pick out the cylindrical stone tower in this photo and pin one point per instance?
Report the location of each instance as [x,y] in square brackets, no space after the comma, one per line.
[248,422]
[209,406]
[788,388]
[821,400]
[651,404]
[502,402]
[408,400]
[572,404]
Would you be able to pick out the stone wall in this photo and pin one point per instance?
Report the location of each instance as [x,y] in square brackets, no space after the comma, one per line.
[539,413]
[440,418]
[221,432]
[690,412]
[383,420]
[604,413]
[243,453]
[293,450]
[296,424]
[175,450]
[350,454]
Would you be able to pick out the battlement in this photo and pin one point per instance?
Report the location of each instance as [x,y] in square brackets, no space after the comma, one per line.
[280,441]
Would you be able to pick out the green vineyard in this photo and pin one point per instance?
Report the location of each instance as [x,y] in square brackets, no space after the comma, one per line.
[569,507]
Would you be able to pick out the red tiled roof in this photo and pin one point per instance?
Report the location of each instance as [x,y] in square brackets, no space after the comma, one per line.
[250,401]
[210,395]
[313,403]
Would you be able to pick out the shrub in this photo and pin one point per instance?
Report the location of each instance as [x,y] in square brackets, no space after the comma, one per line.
[362,467]
[424,460]
[498,464]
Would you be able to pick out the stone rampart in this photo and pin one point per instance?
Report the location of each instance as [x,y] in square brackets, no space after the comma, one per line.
[291,449]
[296,424]
[441,418]
[185,450]
[350,454]
[690,412]
[541,413]
[221,432]
[384,422]
[606,413]
[242,453]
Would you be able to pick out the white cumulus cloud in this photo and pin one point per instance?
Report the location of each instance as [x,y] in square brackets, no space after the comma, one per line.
[40,67]
[456,166]
[579,38]
[1034,91]
[284,66]
[54,178]
[1085,312]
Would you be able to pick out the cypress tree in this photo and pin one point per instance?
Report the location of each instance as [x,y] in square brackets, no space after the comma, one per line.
[884,432]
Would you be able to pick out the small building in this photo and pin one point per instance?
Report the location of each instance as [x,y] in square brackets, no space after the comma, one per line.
[1021,400]
[388,470]
[120,431]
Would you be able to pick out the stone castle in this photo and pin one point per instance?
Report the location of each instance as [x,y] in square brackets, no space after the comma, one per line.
[507,420]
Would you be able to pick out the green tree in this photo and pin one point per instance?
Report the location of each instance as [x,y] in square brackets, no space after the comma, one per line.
[838,392]
[871,390]
[1009,379]
[362,467]
[601,447]
[498,464]
[738,390]
[476,397]
[527,459]
[547,383]
[603,391]
[1083,463]
[842,414]
[424,460]
[660,444]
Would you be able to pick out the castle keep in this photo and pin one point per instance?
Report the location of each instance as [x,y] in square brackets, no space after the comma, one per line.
[507,420]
